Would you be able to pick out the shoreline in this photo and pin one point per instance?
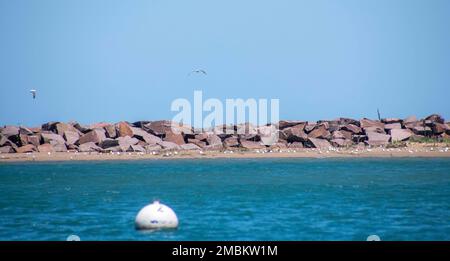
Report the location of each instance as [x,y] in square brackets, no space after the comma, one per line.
[405,152]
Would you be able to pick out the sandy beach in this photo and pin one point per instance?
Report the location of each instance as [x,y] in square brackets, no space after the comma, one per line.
[413,150]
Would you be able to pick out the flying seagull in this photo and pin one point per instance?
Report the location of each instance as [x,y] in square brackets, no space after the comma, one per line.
[33,92]
[198,71]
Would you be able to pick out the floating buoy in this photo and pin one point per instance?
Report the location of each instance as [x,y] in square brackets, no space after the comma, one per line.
[156,215]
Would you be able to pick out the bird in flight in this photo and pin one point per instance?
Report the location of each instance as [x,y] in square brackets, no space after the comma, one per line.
[33,92]
[198,71]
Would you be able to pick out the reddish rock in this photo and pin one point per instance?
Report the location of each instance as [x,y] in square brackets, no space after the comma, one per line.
[136,148]
[202,136]
[295,145]
[167,145]
[23,139]
[391,120]
[439,128]
[320,131]
[346,121]
[278,145]
[293,134]
[367,123]
[214,140]
[391,126]
[376,139]
[374,129]
[96,136]
[26,148]
[341,142]
[108,143]
[71,137]
[46,148]
[63,127]
[124,129]
[286,124]
[251,145]
[435,118]
[110,131]
[49,126]
[420,130]
[6,149]
[337,135]
[89,147]
[34,139]
[309,127]
[99,125]
[25,131]
[410,119]
[9,131]
[126,142]
[145,136]
[159,128]
[153,148]
[352,128]
[318,143]
[189,146]
[175,138]
[400,134]
[51,137]
[58,147]
[199,143]
[231,142]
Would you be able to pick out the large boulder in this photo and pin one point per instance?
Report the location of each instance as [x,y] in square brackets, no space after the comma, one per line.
[293,134]
[410,119]
[167,145]
[400,134]
[269,134]
[152,148]
[142,135]
[63,127]
[391,120]
[108,143]
[110,131]
[159,128]
[318,143]
[367,123]
[126,141]
[214,140]
[49,126]
[199,143]
[136,148]
[89,147]
[377,139]
[52,138]
[320,131]
[346,121]
[34,139]
[46,148]
[25,131]
[124,129]
[26,148]
[251,145]
[439,128]
[341,142]
[9,131]
[71,137]
[96,136]
[435,118]
[189,146]
[174,137]
[231,142]
[286,124]
[98,125]
[421,130]
[352,128]
[7,149]
[390,126]
[295,145]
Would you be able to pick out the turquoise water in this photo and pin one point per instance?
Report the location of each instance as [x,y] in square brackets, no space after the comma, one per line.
[238,199]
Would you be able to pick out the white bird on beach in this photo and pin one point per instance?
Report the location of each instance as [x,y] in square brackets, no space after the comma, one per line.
[33,92]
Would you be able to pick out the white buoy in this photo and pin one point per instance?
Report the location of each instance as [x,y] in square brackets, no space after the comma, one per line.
[156,215]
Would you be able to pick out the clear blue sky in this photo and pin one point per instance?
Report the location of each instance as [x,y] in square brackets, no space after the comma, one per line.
[95,60]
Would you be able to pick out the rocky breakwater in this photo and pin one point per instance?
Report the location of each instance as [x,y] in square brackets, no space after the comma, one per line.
[156,136]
